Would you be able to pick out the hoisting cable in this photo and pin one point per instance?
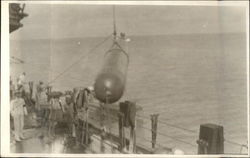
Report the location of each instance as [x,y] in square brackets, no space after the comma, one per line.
[81,57]
[114,22]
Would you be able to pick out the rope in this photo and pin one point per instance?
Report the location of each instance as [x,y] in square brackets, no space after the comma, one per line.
[149,98]
[162,134]
[159,122]
[171,125]
[114,22]
[165,135]
[81,57]
[155,143]
[104,142]
[236,144]
[192,131]
[243,146]
[232,142]
[150,107]
[17,59]
[137,135]
[49,70]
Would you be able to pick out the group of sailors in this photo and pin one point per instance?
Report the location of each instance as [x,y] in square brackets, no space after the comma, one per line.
[54,107]
[49,107]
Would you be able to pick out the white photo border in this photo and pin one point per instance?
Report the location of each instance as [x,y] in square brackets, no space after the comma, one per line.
[5,121]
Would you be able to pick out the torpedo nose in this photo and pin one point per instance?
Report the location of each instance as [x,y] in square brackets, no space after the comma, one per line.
[109,86]
[108,94]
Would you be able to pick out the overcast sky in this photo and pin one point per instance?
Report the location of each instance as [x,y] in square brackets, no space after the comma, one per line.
[66,21]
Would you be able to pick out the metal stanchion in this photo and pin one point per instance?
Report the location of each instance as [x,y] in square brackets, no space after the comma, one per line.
[154,122]
[121,131]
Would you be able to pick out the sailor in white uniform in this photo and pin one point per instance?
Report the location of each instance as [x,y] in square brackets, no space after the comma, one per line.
[17,111]
[21,81]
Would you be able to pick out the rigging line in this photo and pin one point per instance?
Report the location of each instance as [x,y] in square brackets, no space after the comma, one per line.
[156,109]
[17,59]
[235,143]
[162,112]
[155,143]
[162,134]
[105,142]
[107,117]
[49,70]
[159,134]
[68,68]
[162,104]
[156,102]
[241,148]
[106,108]
[114,22]
[15,62]
[161,122]
[192,131]
[138,136]
[167,124]
[150,98]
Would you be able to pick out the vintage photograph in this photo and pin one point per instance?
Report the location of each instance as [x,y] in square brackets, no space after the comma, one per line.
[128,78]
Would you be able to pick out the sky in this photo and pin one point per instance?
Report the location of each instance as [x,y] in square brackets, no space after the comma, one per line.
[77,20]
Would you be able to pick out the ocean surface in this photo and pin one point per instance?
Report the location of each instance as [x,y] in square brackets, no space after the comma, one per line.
[188,79]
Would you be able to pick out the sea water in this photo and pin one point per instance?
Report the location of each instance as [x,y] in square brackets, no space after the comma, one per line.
[188,79]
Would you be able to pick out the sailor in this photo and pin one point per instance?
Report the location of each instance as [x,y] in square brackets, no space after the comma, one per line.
[81,99]
[90,92]
[21,81]
[69,114]
[17,111]
[40,87]
[56,114]
[42,104]
[128,108]
[12,89]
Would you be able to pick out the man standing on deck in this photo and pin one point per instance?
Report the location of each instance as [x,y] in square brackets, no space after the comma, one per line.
[12,89]
[17,112]
[39,89]
[69,114]
[21,81]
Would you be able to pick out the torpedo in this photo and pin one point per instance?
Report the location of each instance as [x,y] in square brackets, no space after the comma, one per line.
[110,82]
